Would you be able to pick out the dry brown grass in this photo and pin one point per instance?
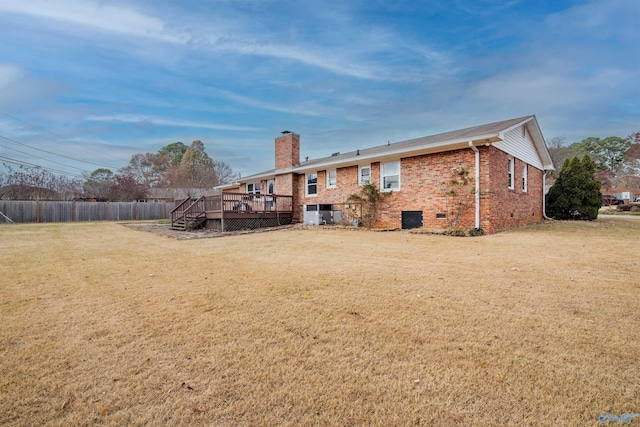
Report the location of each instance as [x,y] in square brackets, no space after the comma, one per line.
[105,325]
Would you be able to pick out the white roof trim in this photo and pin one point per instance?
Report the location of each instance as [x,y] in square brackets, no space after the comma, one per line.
[394,154]
[353,159]
[517,125]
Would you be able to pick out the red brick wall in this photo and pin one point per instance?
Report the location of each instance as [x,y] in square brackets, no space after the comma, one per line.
[287,151]
[422,189]
[503,208]
[346,185]
[422,180]
[287,185]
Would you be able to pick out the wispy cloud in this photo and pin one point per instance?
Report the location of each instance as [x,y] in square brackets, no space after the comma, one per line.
[8,74]
[158,121]
[306,109]
[137,73]
[346,57]
[95,15]
[308,55]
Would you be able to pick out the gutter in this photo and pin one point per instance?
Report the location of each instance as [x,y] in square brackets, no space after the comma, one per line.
[353,159]
[477,186]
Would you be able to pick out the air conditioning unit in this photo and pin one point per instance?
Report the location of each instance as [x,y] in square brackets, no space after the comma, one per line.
[319,214]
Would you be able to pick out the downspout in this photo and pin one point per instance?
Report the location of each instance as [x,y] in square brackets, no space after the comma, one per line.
[477,189]
[544,197]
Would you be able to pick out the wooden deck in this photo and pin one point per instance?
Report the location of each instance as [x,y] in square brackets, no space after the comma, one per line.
[239,205]
[233,211]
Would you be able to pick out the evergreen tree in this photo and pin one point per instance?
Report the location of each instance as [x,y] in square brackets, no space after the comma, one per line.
[196,167]
[576,193]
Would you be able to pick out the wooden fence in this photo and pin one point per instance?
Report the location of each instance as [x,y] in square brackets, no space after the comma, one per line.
[48,211]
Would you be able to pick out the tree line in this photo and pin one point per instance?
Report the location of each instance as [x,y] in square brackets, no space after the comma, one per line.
[575,194]
[616,159]
[175,165]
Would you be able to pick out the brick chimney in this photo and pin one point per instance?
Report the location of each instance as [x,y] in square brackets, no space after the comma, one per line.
[287,150]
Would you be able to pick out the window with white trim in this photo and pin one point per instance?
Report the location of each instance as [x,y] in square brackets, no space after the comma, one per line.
[270,186]
[511,173]
[364,174]
[524,178]
[311,187]
[332,180]
[253,188]
[390,176]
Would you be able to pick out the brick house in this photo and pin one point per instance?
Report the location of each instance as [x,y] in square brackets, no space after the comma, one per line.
[506,163]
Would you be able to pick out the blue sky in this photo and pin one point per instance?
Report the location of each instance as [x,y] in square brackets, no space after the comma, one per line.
[99,81]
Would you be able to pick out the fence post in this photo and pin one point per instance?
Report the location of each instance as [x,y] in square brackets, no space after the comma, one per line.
[37,210]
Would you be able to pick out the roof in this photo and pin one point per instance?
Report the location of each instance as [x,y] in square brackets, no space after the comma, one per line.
[454,140]
[176,193]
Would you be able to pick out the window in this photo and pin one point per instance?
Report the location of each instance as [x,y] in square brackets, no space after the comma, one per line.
[524,178]
[331,178]
[312,184]
[390,176]
[364,175]
[270,186]
[511,170]
[253,188]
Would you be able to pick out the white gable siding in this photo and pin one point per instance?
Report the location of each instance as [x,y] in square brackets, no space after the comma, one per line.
[520,147]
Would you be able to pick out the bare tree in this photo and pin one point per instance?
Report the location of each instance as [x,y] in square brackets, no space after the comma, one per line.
[224,173]
[98,184]
[148,169]
[25,183]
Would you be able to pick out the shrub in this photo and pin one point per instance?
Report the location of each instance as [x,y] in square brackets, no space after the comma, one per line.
[576,193]
[370,199]
[459,193]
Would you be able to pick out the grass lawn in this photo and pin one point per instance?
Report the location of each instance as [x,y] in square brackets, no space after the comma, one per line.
[106,325]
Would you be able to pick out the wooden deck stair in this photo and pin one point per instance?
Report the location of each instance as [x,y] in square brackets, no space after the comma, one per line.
[189,215]
[189,223]
[233,212]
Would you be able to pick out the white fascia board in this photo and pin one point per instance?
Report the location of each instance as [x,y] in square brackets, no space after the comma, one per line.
[260,176]
[517,125]
[253,178]
[538,141]
[225,186]
[356,160]
[541,145]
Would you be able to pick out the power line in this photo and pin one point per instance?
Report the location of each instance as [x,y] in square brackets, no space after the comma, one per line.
[31,125]
[32,165]
[56,154]
[50,133]
[43,158]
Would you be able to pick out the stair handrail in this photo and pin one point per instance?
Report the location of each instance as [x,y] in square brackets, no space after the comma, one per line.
[178,211]
[187,211]
[192,207]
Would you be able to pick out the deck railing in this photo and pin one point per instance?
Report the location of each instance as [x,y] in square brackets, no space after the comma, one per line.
[239,202]
[234,211]
[256,203]
[187,210]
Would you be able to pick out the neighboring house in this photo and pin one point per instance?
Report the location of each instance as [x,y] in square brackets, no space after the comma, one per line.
[506,162]
[167,194]
[622,188]
[28,192]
